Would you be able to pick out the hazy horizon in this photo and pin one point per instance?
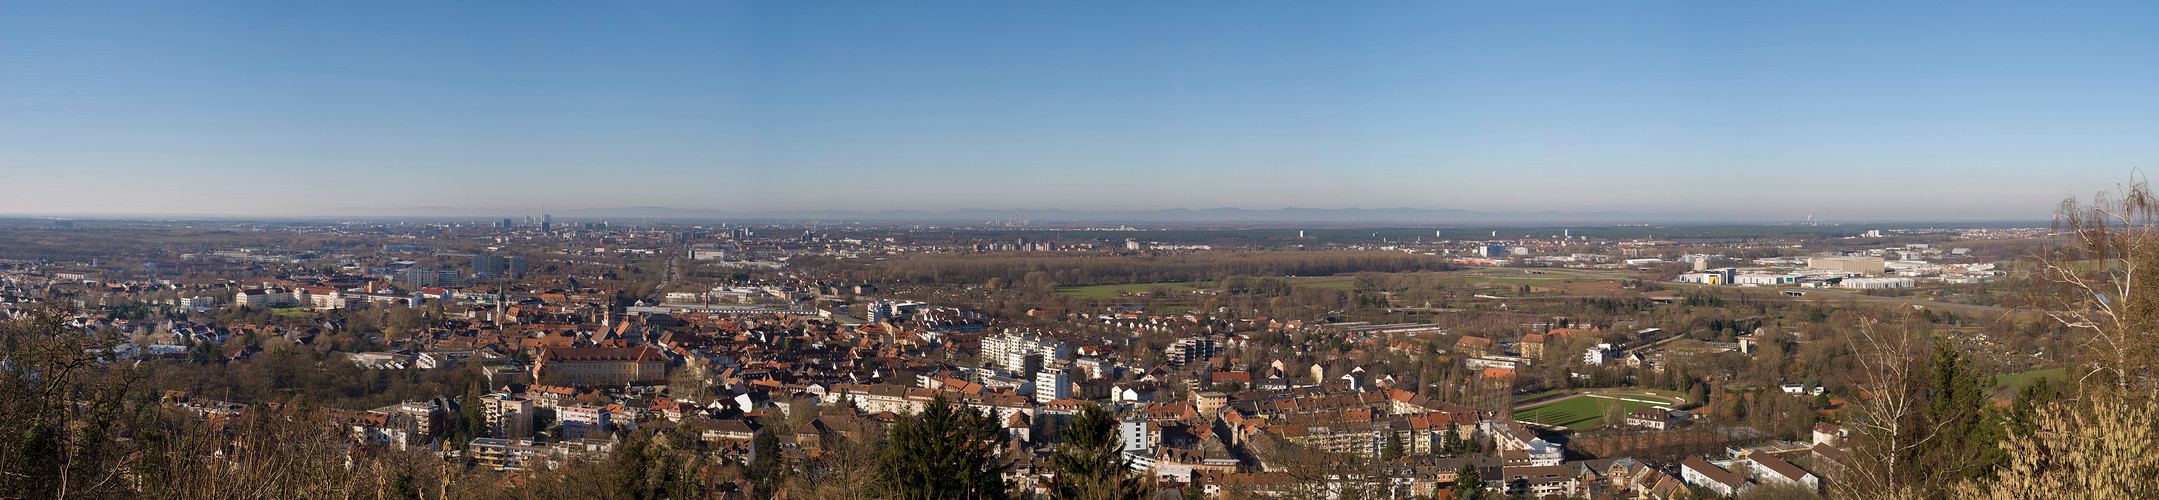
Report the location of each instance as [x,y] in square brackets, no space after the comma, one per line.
[1285,217]
[1953,111]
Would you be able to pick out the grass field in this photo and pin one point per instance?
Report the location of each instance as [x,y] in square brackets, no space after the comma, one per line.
[1114,291]
[1326,282]
[1577,413]
[1521,281]
[1517,277]
[2019,380]
[293,312]
[1553,392]
[1682,396]
[1677,396]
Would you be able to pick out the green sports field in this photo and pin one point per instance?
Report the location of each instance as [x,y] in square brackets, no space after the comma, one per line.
[1577,413]
[1677,398]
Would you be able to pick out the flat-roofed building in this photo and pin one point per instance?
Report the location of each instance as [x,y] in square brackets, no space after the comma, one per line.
[1053,384]
[582,420]
[505,454]
[1871,266]
[1767,279]
[1875,283]
[509,417]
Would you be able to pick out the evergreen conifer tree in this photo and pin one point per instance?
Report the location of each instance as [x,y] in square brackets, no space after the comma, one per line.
[1089,463]
[473,413]
[766,468]
[945,452]
[1468,483]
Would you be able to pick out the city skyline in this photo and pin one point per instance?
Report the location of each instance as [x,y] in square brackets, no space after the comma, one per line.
[1945,111]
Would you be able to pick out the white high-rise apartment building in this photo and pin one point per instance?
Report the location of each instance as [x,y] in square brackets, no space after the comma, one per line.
[1009,350]
[1052,384]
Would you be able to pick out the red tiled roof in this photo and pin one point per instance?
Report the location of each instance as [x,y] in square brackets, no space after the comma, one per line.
[601,354]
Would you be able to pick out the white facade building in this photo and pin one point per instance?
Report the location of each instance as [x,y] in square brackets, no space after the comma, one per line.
[1875,283]
[1006,348]
[1596,356]
[1766,279]
[1052,384]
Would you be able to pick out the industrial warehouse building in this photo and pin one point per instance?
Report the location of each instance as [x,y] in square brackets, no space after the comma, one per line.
[1870,266]
[1875,283]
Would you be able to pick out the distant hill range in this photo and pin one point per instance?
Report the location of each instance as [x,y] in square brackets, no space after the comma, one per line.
[1322,215]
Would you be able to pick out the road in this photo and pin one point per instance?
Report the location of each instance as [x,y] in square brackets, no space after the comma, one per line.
[667,278]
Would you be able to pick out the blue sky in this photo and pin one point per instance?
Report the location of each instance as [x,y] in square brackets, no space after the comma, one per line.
[1768,110]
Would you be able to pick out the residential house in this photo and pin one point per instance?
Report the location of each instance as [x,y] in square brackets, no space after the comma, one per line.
[1772,470]
[1652,417]
[1701,474]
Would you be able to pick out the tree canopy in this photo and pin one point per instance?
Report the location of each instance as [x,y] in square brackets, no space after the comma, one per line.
[944,452]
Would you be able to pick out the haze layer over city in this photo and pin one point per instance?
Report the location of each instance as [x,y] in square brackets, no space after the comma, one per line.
[1201,250]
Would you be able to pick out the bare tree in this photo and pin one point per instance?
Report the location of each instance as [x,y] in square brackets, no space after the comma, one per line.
[1615,414]
[1888,419]
[2114,247]
[2097,445]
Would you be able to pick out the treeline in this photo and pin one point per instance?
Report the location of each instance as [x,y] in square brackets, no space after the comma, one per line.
[1056,269]
[130,242]
[300,375]
[1669,446]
